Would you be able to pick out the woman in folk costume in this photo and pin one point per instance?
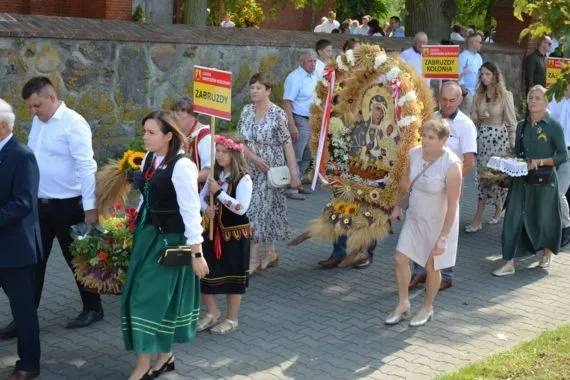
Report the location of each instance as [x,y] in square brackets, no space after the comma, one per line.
[228,255]
[160,304]
[197,141]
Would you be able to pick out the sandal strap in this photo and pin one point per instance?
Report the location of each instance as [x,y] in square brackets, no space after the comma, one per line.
[224,327]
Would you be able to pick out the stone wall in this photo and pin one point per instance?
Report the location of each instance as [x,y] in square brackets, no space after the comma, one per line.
[114,83]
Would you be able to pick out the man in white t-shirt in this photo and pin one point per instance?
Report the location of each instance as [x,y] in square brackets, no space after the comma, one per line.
[470,62]
[227,23]
[319,28]
[463,142]
[331,23]
[413,55]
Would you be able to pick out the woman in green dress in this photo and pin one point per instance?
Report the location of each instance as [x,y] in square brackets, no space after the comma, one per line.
[160,304]
[532,217]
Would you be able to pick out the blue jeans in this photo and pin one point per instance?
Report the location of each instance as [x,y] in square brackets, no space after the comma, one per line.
[446,274]
[339,248]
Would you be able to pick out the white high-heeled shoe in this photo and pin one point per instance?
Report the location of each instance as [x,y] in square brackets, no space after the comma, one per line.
[395,318]
[422,318]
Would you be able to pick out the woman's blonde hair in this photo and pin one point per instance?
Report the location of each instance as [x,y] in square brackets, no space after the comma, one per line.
[537,88]
[238,164]
[439,126]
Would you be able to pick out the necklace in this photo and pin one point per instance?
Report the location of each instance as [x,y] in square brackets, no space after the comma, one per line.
[151,171]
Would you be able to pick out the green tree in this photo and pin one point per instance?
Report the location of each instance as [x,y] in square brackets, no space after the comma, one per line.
[549,18]
[195,12]
[431,16]
[475,12]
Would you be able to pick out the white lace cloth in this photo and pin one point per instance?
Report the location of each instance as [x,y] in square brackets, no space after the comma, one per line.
[508,165]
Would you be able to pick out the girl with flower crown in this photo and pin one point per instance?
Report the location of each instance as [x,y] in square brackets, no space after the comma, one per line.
[228,254]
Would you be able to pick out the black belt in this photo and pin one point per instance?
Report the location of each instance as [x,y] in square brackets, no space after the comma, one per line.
[304,117]
[46,201]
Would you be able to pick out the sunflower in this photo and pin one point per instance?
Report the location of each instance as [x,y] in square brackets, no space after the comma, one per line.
[340,206]
[351,209]
[123,161]
[135,160]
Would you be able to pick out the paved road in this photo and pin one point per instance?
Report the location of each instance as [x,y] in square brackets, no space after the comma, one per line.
[301,322]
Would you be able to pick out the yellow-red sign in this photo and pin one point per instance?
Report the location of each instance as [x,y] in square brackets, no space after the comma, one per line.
[213,92]
[440,61]
[554,68]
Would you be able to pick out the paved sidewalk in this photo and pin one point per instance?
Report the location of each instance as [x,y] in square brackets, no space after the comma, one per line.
[301,322]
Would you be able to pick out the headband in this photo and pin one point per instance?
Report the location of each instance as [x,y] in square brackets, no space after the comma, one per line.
[228,143]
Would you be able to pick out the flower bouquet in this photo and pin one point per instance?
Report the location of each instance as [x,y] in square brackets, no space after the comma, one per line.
[115,179]
[101,252]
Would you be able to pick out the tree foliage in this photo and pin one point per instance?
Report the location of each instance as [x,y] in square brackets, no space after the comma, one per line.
[550,18]
[475,12]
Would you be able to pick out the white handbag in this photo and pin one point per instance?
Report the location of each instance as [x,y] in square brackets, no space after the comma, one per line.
[278,177]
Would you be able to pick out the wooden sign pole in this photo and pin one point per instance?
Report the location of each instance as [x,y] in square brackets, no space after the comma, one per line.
[212,164]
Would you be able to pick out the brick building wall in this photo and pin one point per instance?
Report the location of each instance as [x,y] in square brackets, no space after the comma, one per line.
[107,9]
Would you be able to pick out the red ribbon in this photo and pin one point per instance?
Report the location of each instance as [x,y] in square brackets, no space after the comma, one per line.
[397,88]
[329,75]
[217,242]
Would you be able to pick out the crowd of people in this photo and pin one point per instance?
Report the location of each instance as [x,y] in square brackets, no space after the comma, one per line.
[366,27]
[52,187]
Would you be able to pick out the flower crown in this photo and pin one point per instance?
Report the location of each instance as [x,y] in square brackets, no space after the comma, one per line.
[229,143]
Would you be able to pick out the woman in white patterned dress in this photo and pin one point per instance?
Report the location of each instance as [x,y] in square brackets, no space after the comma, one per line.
[268,144]
[494,115]
[430,232]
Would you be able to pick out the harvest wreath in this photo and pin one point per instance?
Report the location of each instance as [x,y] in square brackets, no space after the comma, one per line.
[368,111]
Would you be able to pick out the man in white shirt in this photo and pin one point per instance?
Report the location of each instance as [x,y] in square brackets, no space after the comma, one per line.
[463,142]
[363,29]
[61,140]
[560,111]
[413,55]
[469,64]
[331,23]
[319,28]
[227,23]
[298,95]
[324,49]
[456,34]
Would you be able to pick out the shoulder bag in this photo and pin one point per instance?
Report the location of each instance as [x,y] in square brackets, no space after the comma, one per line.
[405,201]
[278,177]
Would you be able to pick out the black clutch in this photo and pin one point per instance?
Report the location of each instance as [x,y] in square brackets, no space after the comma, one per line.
[542,175]
[175,256]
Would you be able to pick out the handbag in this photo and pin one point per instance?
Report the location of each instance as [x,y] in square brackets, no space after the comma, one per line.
[278,177]
[405,201]
[542,175]
[175,256]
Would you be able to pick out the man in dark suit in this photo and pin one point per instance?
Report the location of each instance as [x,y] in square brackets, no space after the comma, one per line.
[20,241]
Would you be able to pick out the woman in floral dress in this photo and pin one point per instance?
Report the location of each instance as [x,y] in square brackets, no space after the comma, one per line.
[264,128]
[494,115]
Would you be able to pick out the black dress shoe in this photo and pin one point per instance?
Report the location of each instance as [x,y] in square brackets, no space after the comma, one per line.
[166,367]
[331,262]
[9,331]
[417,280]
[86,318]
[445,284]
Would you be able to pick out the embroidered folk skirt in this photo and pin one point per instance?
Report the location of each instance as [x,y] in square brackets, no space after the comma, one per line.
[160,305]
[229,273]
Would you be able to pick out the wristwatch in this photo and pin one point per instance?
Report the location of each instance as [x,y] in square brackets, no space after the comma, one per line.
[196,255]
